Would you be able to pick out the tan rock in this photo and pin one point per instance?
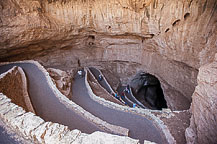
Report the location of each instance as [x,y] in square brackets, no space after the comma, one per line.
[50,133]
[169,38]
[33,127]
[104,138]
[6,107]
[26,123]
[13,83]
[14,112]
[62,81]
[70,136]
[204,107]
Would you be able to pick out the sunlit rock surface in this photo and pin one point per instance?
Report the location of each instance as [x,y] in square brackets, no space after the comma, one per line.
[170,39]
[62,80]
[204,107]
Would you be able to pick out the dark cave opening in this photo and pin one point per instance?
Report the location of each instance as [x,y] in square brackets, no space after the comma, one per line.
[147,89]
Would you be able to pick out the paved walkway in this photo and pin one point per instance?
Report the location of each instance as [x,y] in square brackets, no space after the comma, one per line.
[105,85]
[140,127]
[46,104]
[102,82]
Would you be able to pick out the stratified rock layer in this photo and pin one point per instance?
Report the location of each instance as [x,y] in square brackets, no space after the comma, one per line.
[204,107]
[168,38]
[184,31]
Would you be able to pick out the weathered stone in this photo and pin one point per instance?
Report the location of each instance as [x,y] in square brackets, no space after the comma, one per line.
[204,107]
[6,107]
[49,133]
[62,81]
[70,136]
[4,100]
[13,83]
[26,123]
[14,112]
[104,138]
[33,127]
[55,133]
[169,38]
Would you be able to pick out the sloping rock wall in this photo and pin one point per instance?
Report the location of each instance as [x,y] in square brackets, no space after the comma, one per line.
[168,38]
[184,31]
[13,83]
[204,107]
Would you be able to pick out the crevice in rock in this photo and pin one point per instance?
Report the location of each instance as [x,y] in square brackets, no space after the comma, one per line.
[176,22]
[91,37]
[186,16]
[167,30]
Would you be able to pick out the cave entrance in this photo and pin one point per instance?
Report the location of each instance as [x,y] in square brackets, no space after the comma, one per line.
[146,88]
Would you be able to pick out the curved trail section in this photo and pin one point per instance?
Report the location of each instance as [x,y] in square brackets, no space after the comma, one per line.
[46,103]
[129,99]
[140,127]
[100,91]
[102,82]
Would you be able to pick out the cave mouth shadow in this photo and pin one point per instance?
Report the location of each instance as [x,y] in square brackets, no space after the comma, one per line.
[147,89]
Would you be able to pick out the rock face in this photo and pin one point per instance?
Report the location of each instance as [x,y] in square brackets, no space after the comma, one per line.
[168,38]
[13,83]
[204,107]
[62,80]
[183,31]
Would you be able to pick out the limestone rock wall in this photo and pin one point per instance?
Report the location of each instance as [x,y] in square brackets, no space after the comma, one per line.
[168,38]
[204,107]
[180,30]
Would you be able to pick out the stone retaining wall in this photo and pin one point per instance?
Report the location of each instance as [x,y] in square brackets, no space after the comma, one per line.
[99,90]
[33,127]
[71,105]
[144,112]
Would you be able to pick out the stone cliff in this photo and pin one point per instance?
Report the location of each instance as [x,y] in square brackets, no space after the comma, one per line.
[183,31]
[170,39]
[204,107]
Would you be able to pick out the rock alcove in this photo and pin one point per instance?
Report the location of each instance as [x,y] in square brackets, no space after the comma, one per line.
[170,39]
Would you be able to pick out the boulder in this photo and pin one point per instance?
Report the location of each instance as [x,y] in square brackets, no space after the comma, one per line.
[62,81]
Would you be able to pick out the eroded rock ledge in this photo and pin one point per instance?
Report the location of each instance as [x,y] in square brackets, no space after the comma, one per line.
[169,39]
[203,108]
[182,31]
